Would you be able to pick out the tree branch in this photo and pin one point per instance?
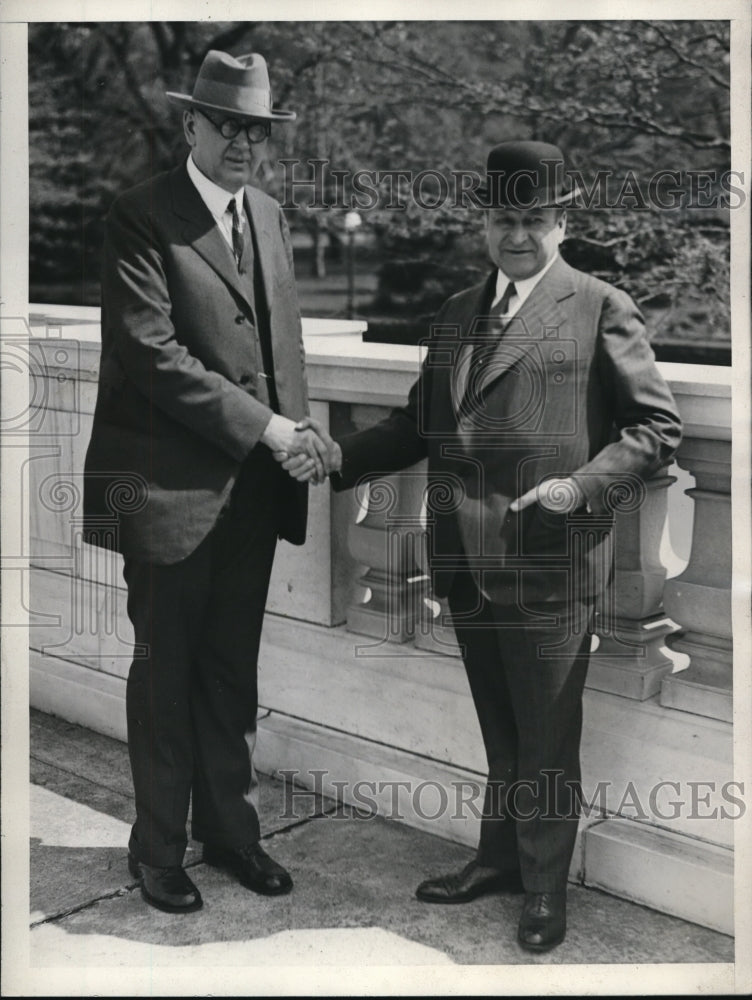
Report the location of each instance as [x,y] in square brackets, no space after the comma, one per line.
[683,57]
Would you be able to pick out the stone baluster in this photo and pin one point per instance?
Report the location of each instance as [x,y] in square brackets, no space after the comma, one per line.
[385,540]
[699,600]
[434,634]
[630,622]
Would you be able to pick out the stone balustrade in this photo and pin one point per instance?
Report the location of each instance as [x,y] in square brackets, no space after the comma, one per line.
[360,679]
[642,611]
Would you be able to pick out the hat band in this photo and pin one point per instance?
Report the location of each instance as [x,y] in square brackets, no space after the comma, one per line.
[522,188]
[242,99]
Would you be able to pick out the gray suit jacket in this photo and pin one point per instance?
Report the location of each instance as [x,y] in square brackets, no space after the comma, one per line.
[571,390]
[176,410]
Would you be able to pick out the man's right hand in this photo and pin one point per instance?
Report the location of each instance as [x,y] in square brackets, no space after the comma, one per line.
[283,438]
[305,449]
[299,463]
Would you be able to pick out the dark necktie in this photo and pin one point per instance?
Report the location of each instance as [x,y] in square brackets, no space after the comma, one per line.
[237,231]
[502,306]
[482,352]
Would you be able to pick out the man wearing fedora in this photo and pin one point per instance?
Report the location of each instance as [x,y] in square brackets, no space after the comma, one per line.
[538,406]
[201,379]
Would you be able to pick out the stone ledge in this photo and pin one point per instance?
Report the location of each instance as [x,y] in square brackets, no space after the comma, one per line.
[670,873]
[701,689]
[77,693]
[342,367]
[369,772]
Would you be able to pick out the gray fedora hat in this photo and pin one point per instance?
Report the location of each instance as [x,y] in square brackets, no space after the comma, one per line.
[238,85]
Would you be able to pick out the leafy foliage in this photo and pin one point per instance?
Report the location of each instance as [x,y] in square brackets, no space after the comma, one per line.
[407,96]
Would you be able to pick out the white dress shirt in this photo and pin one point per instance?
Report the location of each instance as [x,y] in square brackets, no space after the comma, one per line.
[522,288]
[216,200]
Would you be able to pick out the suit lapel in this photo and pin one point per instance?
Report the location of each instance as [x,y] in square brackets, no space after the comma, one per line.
[446,388]
[478,305]
[261,242]
[201,231]
[540,311]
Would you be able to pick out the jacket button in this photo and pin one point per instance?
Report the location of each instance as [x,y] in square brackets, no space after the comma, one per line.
[246,379]
[240,318]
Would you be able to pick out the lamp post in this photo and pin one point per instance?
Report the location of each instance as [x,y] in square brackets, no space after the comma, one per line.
[352,221]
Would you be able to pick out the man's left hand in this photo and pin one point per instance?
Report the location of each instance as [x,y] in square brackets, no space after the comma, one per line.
[561,496]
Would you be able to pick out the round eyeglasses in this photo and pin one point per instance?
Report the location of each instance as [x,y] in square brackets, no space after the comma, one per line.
[229,128]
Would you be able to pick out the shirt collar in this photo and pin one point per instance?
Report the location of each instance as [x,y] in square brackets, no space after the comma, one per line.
[524,287]
[214,197]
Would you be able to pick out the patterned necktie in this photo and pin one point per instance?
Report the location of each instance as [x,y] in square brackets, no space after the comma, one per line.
[473,361]
[237,231]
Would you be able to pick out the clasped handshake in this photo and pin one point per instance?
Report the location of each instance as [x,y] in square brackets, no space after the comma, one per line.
[304,449]
[310,454]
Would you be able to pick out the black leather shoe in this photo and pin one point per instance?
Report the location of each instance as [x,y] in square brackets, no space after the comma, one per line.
[252,867]
[474,880]
[543,923]
[168,889]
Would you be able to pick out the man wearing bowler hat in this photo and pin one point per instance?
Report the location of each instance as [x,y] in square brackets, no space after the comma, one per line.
[201,379]
[538,406]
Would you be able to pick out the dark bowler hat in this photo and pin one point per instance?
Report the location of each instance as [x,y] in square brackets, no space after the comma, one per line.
[525,174]
[239,86]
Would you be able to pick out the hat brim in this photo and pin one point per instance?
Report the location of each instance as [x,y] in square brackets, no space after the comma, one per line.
[561,201]
[186,101]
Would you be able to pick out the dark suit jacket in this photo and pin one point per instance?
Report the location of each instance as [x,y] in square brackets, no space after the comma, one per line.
[572,390]
[176,411]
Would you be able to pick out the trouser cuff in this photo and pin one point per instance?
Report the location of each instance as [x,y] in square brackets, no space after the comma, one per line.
[157,857]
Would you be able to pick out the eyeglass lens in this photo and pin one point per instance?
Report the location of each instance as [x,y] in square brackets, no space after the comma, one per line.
[255,131]
[229,128]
